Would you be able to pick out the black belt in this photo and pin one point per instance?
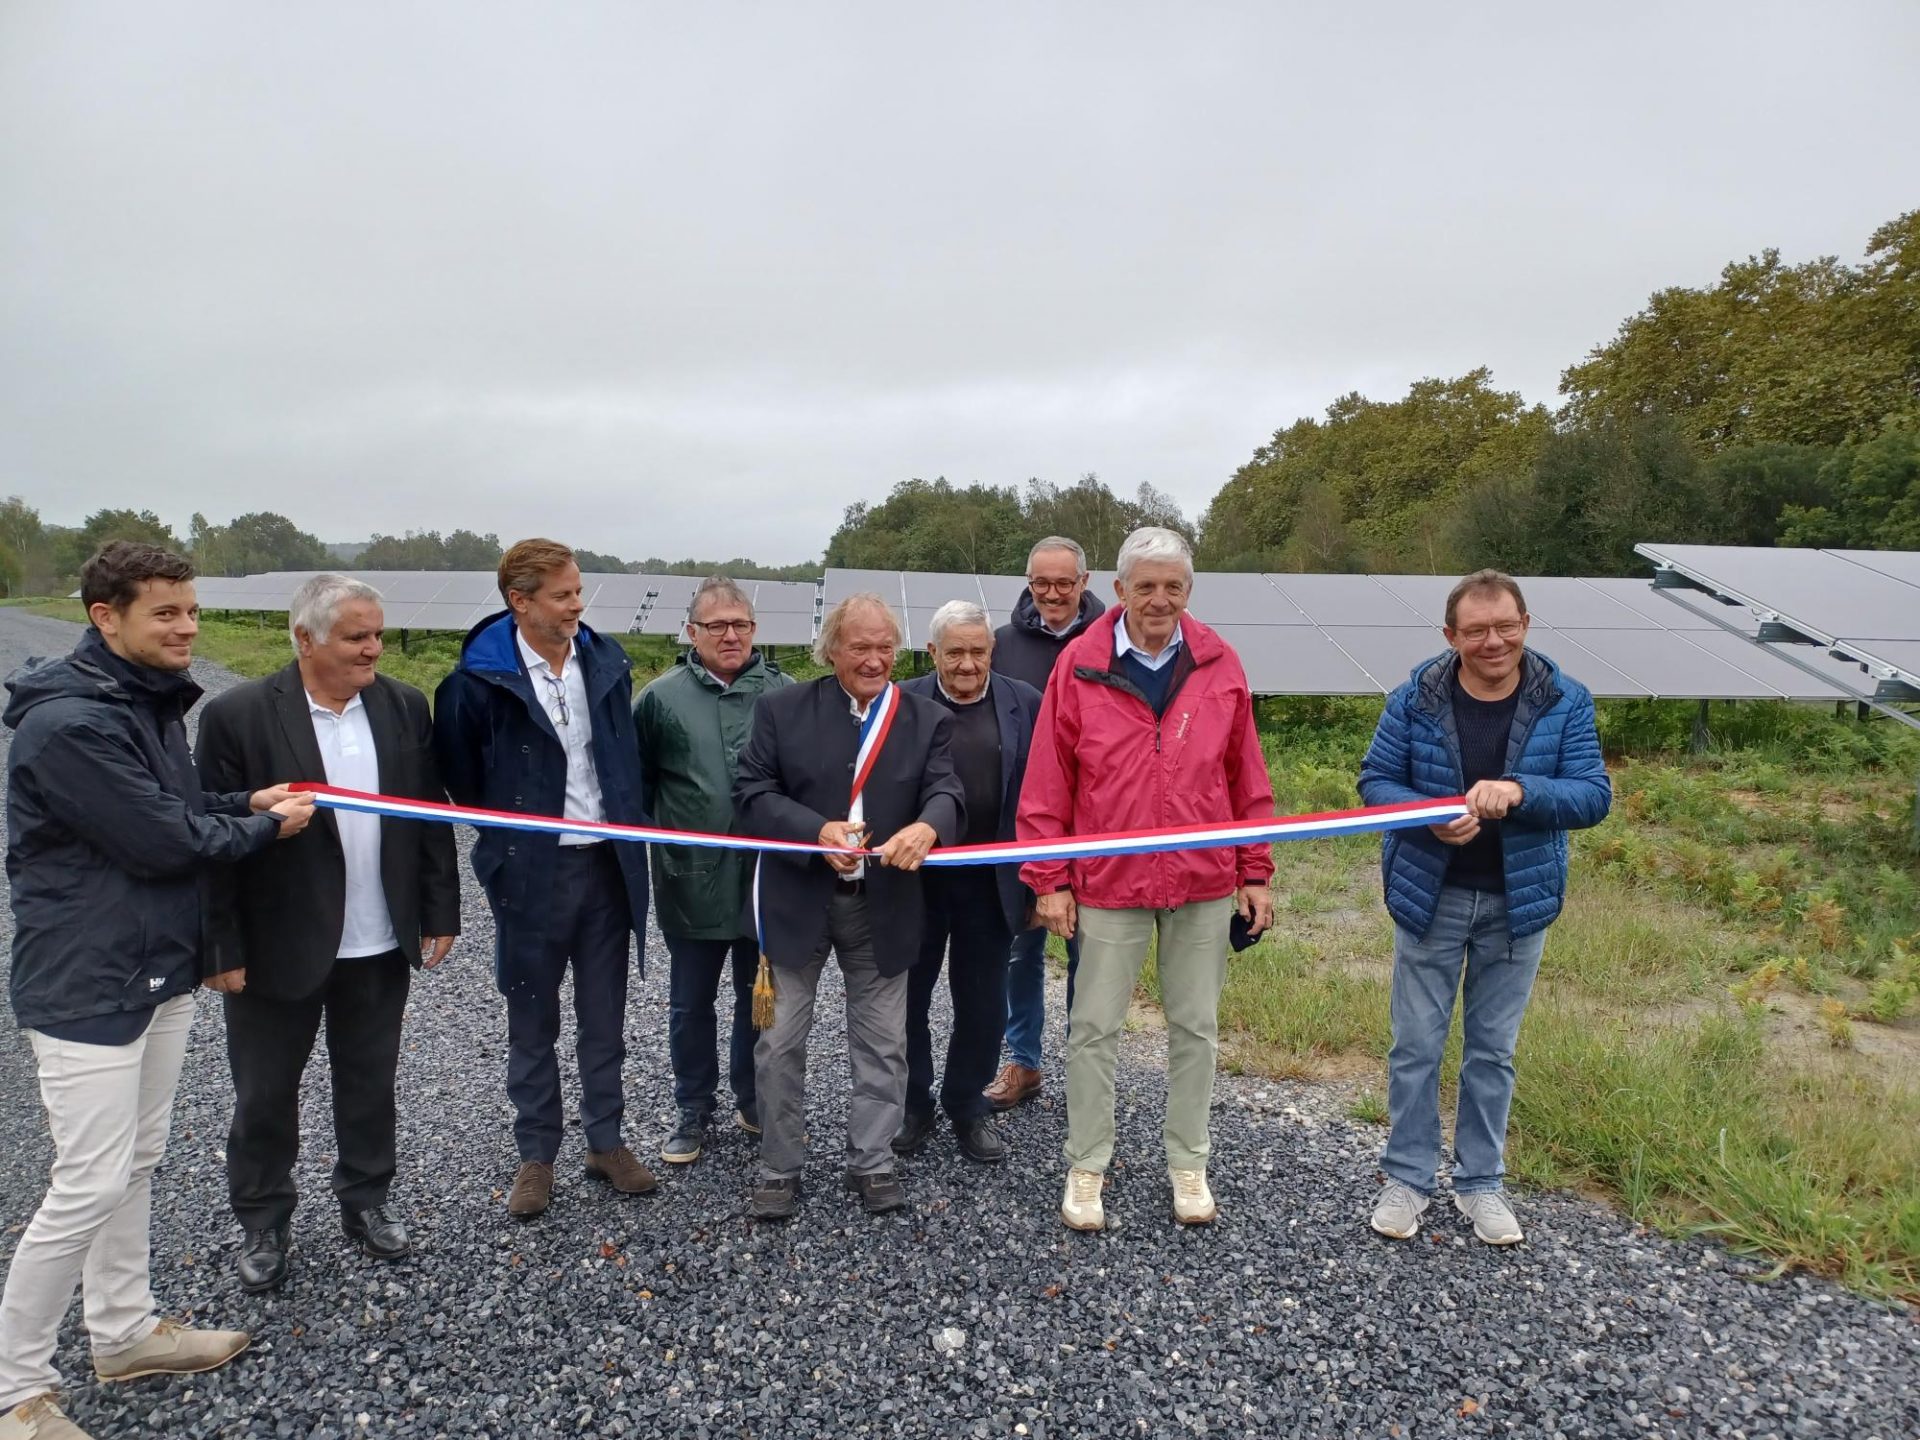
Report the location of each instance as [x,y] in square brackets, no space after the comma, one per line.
[595,847]
[850,887]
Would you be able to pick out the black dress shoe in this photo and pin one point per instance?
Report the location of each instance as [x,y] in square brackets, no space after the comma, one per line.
[774,1199]
[916,1128]
[880,1191]
[263,1259]
[980,1141]
[379,1232]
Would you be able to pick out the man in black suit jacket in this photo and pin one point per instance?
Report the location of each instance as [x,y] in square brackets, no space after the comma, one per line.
[798,780]
[974,909]
[328,925]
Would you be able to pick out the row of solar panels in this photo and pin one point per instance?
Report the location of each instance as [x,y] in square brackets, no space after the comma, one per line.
[458,599]
[1861,607]
[1316,634]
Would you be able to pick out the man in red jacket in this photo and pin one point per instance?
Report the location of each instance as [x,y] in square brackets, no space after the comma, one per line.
[1148,723]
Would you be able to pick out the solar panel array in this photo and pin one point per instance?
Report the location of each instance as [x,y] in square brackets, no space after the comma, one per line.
[1738,624]
[1364,634]
[1853,615]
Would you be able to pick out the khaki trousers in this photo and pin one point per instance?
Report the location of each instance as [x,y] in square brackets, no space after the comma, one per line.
[1193,967]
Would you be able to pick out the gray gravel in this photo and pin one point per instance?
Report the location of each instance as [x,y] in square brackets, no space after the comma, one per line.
[974,1313]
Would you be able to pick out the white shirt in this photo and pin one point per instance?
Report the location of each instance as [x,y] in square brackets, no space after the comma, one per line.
[346,750]
[583,800]
[1122,643]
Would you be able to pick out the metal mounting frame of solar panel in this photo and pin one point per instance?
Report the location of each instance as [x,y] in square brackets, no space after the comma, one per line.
[1814,583]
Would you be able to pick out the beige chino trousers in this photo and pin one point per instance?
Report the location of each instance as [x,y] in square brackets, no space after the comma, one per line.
[1192,962]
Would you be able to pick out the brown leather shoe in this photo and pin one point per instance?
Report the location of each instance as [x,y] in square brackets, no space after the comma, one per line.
[532,1189]
[621,1170]
[1014,1085]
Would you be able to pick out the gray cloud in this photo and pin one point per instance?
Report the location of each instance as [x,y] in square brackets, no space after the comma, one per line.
[668,279]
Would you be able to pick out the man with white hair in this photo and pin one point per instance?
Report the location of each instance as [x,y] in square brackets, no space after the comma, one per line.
[1056,607]
[329,926]
[977,909]
[852,762]
[1149,723]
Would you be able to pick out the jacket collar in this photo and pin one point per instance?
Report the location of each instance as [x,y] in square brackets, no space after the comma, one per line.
[1433,682]
[139,684]
[491,651]
[1026,616]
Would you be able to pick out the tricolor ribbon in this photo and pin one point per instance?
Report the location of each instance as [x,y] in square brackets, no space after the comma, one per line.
[1368,819]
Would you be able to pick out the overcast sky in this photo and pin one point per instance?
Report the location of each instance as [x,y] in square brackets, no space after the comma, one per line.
[686,278]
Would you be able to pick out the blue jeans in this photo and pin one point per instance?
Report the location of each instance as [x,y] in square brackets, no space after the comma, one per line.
[1027,993]
[693,986]
[1468,933]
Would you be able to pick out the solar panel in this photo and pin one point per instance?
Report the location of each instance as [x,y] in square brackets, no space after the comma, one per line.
[1901,565]
[1346,600]
[1241,600]
[795,597]
[435,615]
[932,589]
[1387,653]
[1799,672]
[784,627]
[1662,663]
[1825,596]
[1295,660]
[842,583]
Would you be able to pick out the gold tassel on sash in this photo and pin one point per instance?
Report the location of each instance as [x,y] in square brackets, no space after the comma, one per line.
[763,995]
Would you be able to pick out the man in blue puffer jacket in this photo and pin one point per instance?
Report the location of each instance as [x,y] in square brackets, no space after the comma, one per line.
[1504,726]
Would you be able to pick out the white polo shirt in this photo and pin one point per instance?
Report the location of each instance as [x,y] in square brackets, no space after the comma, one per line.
[574,727]
[346,750]
[1123,644]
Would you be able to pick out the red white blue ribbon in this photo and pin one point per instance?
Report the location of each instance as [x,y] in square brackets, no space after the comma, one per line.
[1368,819]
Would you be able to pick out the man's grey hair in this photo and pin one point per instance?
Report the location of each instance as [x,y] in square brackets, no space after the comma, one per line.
[1156,545]
[721,590]
[316,605]
[836,621]
[1059,542]
[957,612]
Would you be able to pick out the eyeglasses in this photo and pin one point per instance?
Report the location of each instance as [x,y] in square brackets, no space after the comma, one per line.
[1052,587]
[1477,635]
[720,628]
[558,694]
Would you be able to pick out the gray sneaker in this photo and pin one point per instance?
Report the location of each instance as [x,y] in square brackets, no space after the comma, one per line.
[1397,1212]
[1493,1218]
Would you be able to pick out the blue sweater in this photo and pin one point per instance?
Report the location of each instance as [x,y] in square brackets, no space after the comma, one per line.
[1554,754]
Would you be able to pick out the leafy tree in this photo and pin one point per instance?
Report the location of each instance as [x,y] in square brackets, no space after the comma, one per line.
[1814,354]
[1600,489]
[415,550]
[1875,490]
[1749,486]
[738,568]
[592,562]
[1394,467]
[28,564]
[468,551]
[254,542]
[73,547]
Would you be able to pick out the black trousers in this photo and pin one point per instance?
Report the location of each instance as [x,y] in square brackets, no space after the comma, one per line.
[966,925]
[268,1042]
[588,927]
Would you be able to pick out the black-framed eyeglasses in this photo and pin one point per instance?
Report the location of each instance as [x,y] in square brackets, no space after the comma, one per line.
[720,628]
[559,698]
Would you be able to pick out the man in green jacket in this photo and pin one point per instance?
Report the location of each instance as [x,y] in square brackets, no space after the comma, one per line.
[692,724]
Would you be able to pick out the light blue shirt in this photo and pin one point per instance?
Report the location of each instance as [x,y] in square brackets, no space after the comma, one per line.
[1122,645]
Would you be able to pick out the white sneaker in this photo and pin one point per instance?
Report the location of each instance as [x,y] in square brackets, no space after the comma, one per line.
[1493,1218]
[1080,1205]
[39,1419]
[1397,1213]
[1192,1200]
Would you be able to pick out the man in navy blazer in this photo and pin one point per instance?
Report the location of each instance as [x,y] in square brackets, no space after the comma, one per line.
[537,718]
[973,911]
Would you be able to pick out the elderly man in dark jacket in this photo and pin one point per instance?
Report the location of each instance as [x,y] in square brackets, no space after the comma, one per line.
[110,838]
[1056,607]
[537,718]
[328,928]
[847,761]
[973,911]
[691,725]
[1471,899]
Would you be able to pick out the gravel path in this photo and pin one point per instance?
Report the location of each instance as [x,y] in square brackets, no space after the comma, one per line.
[673,1315]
